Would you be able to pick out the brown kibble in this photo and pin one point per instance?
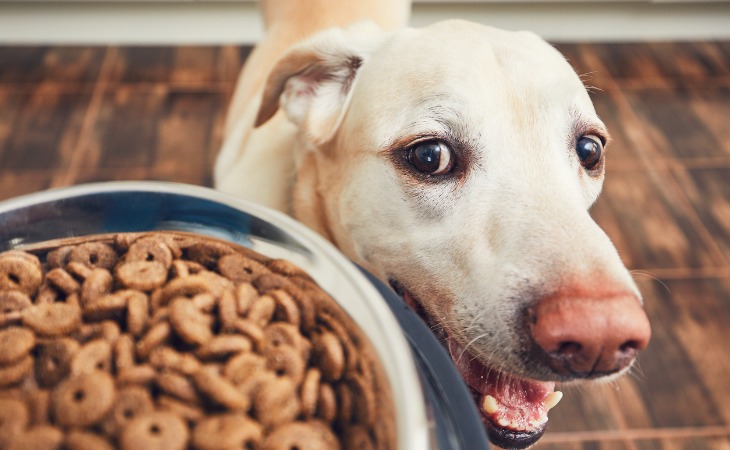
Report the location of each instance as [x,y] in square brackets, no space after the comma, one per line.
[270,281]
[219,390]
[310,392]
[15,372]
[286,361]
[84,399]
[138,313]
[287,309]
[158,430]
[136,375]
[151,249]
[327,403]
[142,275]
[124,354]
[14,418]
[14,301]
[208,253]
[109,306]
[79,440]
[39,406]
[97,283]
[358,438]
[156,336]
[40,437]
[241,367]
[189,323]
[166,358]
[59,256]
[131,402]
[187,411]
[63,281]
[93,356]
[219,347]
[19,273]
[364,405]
[93,255]
[276,401]
[15,343]
[262,310]
[328,355]
[53,361]
[178,386]
[310,435]
[238,268]
[288,269]
[226,432]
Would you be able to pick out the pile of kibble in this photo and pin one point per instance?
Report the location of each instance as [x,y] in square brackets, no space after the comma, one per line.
[177,341]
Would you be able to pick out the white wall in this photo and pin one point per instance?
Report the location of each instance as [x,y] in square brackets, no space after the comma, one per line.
[236,21]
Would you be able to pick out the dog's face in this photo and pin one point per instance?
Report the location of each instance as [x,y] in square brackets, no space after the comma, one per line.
[458,162]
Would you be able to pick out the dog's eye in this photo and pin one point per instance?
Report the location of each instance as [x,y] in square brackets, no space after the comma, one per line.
[431,157]
[589,149]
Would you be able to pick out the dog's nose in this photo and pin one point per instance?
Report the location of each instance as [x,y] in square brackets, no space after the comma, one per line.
[588,337]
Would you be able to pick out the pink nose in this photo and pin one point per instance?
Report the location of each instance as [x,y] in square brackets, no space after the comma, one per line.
[589,337]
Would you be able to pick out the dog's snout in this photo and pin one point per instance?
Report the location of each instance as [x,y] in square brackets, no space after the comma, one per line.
[588,337]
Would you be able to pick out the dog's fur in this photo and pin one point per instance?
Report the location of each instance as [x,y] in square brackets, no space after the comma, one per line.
[319,128]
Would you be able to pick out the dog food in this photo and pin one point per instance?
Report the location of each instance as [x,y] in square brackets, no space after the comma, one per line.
[176,341]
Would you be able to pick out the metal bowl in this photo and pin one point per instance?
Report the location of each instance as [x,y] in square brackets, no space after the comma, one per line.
[145,206]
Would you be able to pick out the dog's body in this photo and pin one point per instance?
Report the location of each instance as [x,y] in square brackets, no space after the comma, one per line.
[456,162]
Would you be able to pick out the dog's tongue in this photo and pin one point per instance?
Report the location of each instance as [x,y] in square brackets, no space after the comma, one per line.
[507,402]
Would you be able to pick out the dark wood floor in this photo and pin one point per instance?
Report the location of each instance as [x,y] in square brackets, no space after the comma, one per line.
[76,115]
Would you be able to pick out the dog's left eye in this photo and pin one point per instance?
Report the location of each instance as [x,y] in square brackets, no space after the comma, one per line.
[431,157]
[589,149]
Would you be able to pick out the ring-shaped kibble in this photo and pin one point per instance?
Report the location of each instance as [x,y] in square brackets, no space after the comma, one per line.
[155,336]
[18,273]
[130,402]
[14,301]
[62,280]
[107,306]
[189,323]
[364,402]
[287,309]
[53,319]
[276,401]
[29,257]
[150,249]
[329,355]
[327,403]
[219,390]
[14,418]
[246,296]
[167,358]
[15,343]
[226,431]
[262,310]
[141,275]
[38,437]
[14,373]
[270,281]
[344,337]
[309,392]
[82,440]
[188,412]
[94,355]
[357,438]
[309,435]
[98,283]
[178,386]
[250,329]
[187,287]
[240,368]
[278,334]
[208,253]
[227,311]
[224,345]
[288,269]
[59,257]
[345,404]
[157,430]
[141,375]
[94,255]
[238,268]
[53,361]
[83,400]
[138,312]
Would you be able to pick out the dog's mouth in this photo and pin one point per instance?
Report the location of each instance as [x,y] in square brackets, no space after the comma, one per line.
[514,410]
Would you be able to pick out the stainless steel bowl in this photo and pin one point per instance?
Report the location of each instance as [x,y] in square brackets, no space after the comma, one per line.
[144,206]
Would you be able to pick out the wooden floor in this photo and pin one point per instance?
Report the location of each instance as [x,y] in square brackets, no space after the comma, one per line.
[76,115]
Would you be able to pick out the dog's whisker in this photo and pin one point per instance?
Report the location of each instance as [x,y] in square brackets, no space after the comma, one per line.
[648,275]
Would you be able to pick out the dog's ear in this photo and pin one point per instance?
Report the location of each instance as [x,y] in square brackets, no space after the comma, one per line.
[313,81]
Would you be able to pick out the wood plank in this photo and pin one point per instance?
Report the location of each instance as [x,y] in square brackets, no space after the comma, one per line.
[32,64]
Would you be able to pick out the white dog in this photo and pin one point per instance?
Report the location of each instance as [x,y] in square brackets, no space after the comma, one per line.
[456,162]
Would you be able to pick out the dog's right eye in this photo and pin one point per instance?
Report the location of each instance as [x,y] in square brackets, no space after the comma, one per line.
[431,157]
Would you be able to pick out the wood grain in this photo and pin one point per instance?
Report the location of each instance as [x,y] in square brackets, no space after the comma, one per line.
[72,115]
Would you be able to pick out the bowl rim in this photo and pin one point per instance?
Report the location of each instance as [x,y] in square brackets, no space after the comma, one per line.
[412,430]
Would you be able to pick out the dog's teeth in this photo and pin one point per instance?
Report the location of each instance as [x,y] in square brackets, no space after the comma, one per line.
[503,422]
[543,419]
[552,400]
[489,404]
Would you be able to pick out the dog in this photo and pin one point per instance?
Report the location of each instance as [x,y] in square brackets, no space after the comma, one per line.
[456,162]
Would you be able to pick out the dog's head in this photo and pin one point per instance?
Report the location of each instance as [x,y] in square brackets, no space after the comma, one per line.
[458,162]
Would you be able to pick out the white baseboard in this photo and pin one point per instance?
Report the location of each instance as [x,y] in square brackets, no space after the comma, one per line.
[237,22]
